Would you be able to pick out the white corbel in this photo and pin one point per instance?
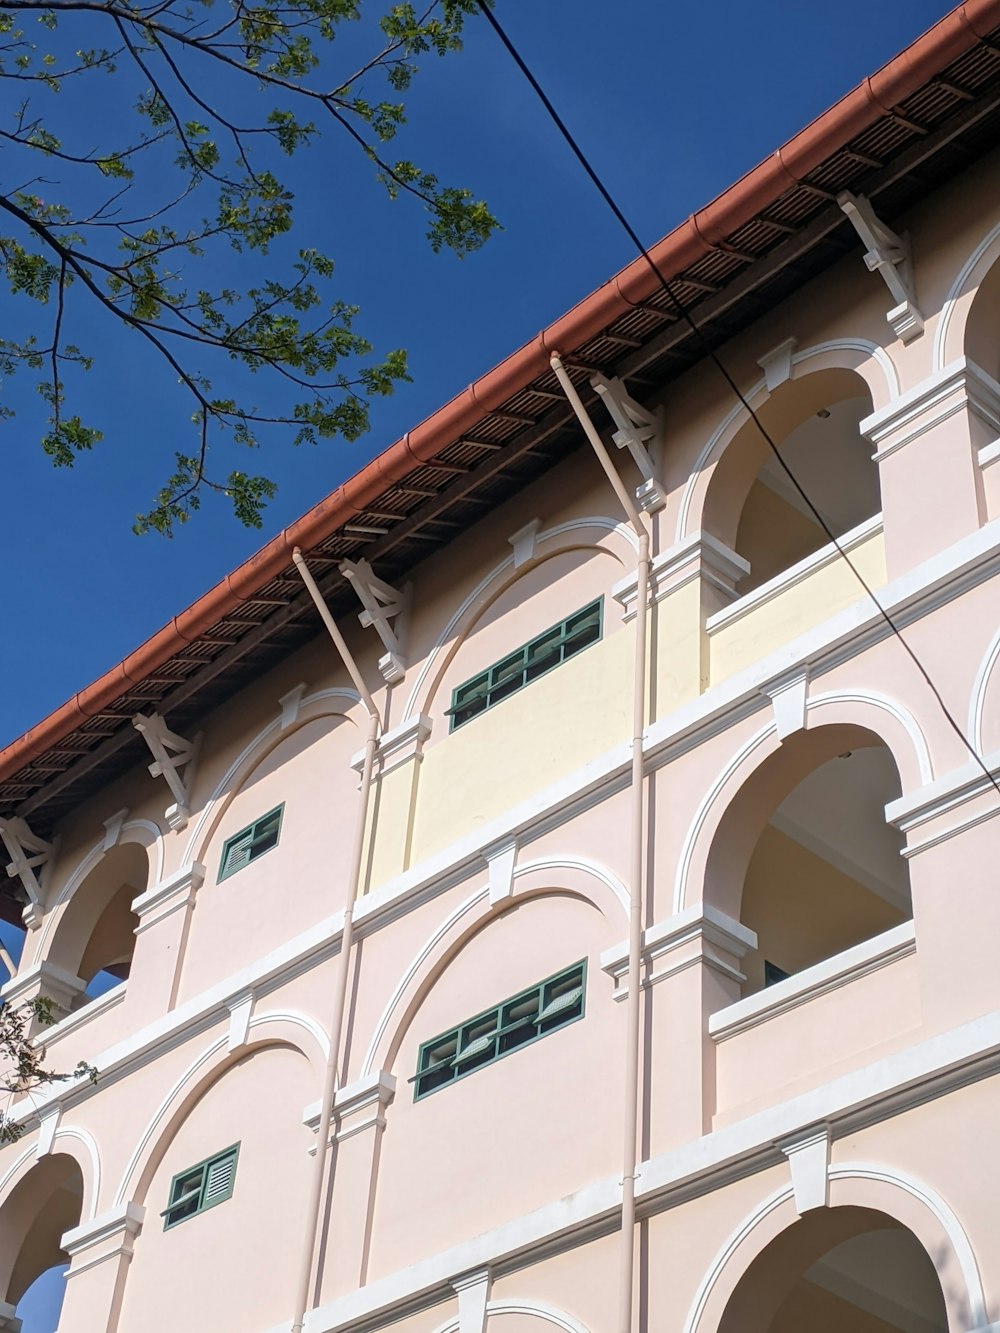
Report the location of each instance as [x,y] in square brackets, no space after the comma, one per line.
[639,431]
[28,855]
[889,255]
[170,753]
[382,603]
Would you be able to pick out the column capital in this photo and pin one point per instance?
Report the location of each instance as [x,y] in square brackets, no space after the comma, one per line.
[109,1236]
[172,894]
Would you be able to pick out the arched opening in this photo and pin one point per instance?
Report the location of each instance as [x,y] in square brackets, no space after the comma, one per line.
[835,1269]
[982,339]
[752,504]
[95,937]
[804,856]
[39,1211]
[832,462]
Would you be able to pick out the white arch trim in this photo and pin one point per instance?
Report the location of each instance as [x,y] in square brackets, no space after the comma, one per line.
[956,292]
[559,530]
[539,1309]
[350,696]
[977,702]
[91,1186]
[758,394]
[187,1077]
[852,1171]
[601,873]
[133,830]
[895,710]
[933,1202]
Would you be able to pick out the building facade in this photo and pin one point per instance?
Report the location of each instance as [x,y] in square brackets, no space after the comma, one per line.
[817,1048]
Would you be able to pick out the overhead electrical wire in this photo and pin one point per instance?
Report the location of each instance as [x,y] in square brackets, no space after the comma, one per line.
[713,356]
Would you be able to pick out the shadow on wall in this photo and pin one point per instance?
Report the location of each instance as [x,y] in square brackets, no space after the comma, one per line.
[42,1207]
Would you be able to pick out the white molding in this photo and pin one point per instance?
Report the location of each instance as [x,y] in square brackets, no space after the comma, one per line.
[958,290]
[977,699]
[172,894]
[777,364]
[113,829]
[44,978]
[86,1014]
[736,418]
[47,1126]
[965,564]
[290,705]
[112,1235]
[500,866]
[356,1107]
[702,924]
[255,750]
[446,637]
[950,792]
[523,542]
[989,454]
[787,693]
[473,1291]
[240,1010]
[808,1156]
[399,745]
[117,1220]
[795,574]
[957,387]
[829,975]
[9,1322]
[698,557]
[883,1088]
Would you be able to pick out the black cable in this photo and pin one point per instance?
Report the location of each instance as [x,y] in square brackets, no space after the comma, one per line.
[714,357]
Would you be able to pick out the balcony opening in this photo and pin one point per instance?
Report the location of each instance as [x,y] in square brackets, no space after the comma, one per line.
[832,462]
[95,938]
[825,873]
[40,1210]
[839,1268]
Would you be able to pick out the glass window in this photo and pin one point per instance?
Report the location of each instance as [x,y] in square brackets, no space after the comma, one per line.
[249,843]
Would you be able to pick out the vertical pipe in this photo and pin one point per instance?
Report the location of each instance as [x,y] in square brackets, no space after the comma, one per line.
[314,1203]
[632,1035]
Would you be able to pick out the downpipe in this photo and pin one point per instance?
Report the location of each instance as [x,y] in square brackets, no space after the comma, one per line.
[314,1203]
[633,1005]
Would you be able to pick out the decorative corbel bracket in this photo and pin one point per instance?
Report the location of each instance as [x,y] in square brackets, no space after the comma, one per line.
[28,854]
[889,255]
[170,753]
[382,603]
[638,430]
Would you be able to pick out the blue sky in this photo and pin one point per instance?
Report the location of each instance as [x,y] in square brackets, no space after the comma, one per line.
[671,101]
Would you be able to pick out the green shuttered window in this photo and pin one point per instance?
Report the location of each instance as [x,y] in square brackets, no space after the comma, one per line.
[526,664]
[201,1187]
[511,1024]
[249,843]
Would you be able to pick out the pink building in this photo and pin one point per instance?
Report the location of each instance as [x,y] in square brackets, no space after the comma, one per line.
[436,877]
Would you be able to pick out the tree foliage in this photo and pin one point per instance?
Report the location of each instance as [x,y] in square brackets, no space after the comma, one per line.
[22,1058]
[146,149]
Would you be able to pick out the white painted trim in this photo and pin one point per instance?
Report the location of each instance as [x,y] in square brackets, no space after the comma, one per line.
[758,393]
[701,922]
[273,730]
[93,857]
[977,701]
[812,982]
[940,1210]
[481,895]
[962,385]
[989,454]
[798,573]
[121,1221]
[699,557]
[809,1161]
[87,1013]
[885,1087]
[599,521]
[957,291]
[397,746]
[915,808]
[540,1310]
[862,697]
[216,1046]
[168,895]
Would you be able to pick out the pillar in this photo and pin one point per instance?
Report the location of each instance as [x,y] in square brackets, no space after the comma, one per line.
[100,1252]
[164,913]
